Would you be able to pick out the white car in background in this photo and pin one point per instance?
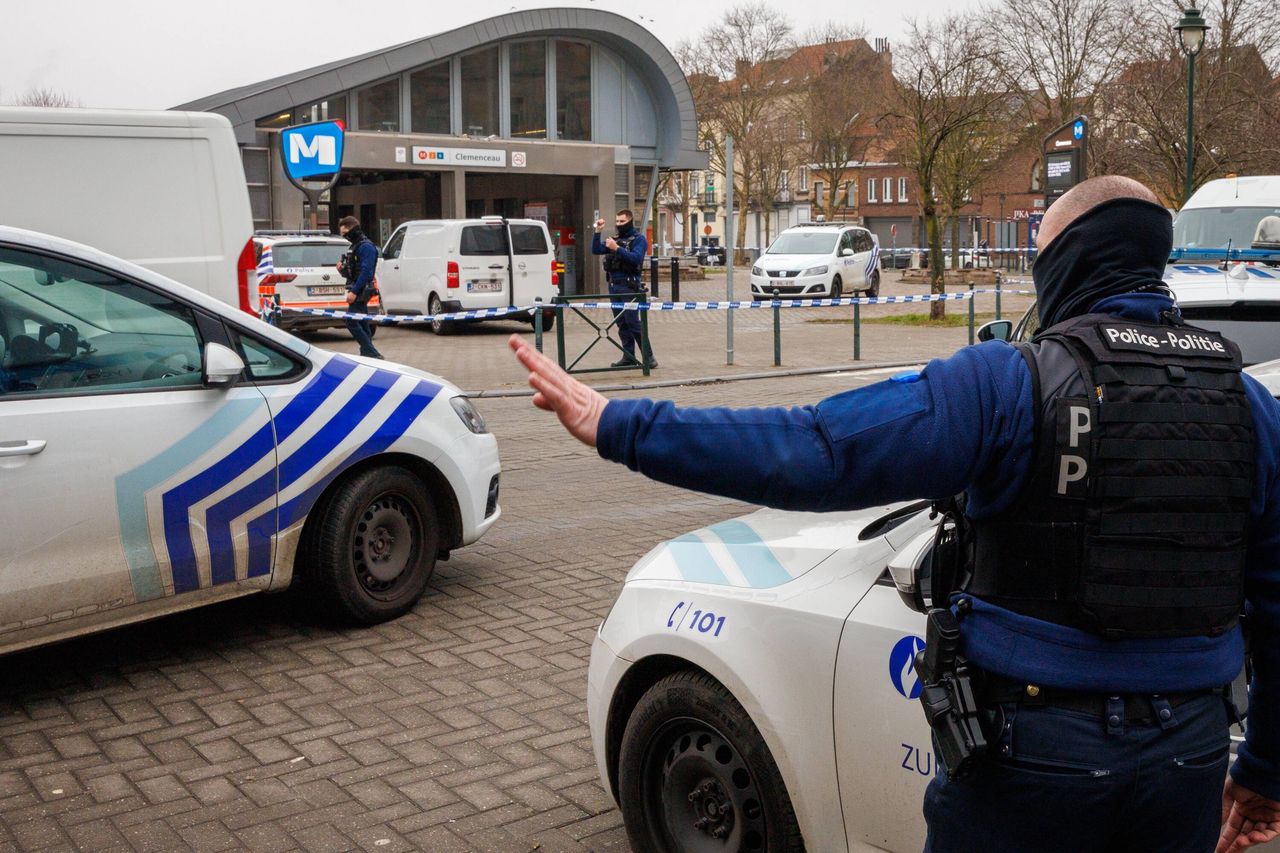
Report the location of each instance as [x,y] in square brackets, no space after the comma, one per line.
[818,260]
[160,449]
[753,687]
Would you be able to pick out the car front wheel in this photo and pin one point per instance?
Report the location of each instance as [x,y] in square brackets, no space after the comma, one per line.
[372,550]
[695,775]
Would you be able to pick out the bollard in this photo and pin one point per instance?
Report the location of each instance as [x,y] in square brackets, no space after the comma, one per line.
[777,330]
[653,276]
[537,323]
[997,295]
[645,347]
[857,332]
[675,279]
[970,301]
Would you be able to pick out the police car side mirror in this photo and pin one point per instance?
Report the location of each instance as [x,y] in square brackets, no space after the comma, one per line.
[911,569]
[846,253]
[996,330]
[222,367]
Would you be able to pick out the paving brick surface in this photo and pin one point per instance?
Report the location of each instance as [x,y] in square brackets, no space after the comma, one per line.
[461,726]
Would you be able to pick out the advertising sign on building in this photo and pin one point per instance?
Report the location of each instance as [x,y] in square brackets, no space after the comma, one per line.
[483,157]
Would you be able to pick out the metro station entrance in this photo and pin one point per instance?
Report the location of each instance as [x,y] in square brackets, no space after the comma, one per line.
[382,200]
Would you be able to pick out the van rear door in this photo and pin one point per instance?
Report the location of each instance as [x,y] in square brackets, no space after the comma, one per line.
[533,276]
[484,266]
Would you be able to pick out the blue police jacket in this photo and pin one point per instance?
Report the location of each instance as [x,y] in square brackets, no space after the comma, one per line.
[966,423]
[634,256]
[368,255]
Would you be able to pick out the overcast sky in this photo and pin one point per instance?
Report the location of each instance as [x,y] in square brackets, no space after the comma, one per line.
[155,54]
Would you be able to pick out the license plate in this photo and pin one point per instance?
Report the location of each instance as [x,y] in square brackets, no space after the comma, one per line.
[331,290]
[778,282]
[484,286]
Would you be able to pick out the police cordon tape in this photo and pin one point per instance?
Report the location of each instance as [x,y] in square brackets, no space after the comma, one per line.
[715,305]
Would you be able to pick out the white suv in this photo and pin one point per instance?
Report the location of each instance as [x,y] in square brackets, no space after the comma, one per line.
[818,260]
[298,269]
[160,449]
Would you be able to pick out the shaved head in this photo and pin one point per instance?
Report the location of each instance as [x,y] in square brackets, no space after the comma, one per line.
[1085,196]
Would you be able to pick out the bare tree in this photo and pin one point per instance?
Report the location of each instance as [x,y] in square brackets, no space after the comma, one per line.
[732,70]
[1056,53]
[42,96]
[965,159]
[948,85]
[1142,110]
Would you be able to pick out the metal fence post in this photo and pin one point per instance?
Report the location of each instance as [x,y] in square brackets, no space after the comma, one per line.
[645,348]
[559,330]
[998,277]
[675,279]
[971,299]
[653,275]
[777,330]
[857,331]
[537,323]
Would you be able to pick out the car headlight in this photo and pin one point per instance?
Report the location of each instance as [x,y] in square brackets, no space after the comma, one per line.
[757,271]
[469,415]
[815,271]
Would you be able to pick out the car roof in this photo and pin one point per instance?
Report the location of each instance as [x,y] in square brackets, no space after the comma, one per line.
[272,239]
[1246,191]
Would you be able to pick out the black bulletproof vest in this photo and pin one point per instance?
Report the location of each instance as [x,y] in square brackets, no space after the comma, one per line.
[1133,521]
[615,265]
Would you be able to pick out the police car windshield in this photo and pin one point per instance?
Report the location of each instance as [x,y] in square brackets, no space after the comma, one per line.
[1214,227]
[804,243]
[307,254]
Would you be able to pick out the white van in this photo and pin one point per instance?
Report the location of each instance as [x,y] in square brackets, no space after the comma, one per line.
[163,189]
[1228,213]
[434,266]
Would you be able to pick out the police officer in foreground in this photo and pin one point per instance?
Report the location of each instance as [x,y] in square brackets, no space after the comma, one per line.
[1121,482]
[358,267]
[624,268]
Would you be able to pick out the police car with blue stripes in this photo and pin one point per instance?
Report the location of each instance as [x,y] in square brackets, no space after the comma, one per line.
[160,449]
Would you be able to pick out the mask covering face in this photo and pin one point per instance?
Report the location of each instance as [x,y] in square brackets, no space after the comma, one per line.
[355,235]
[624,230]
[1120,246]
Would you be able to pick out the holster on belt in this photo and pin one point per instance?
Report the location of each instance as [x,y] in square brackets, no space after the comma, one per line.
[948,696]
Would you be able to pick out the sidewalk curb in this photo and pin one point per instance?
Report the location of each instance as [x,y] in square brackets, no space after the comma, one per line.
[705,380]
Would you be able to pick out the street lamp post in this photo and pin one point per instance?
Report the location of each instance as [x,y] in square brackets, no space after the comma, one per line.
[1191,30]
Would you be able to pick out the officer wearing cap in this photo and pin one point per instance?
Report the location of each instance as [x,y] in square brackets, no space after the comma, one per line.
[1121,482]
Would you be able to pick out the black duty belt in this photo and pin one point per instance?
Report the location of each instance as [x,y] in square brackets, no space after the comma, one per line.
[997,690]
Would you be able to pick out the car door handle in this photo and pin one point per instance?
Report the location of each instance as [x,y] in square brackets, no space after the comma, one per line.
[21,448]
[497,266]
[396,267]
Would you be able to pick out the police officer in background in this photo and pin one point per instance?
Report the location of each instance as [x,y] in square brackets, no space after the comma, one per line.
[1122,483]
[358,267]
[623,268]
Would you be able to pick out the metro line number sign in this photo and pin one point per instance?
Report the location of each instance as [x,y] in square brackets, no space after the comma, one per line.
[430,156]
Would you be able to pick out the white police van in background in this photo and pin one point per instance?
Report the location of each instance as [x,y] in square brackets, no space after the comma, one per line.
[818,259]
[298,269]
[160,450]
[753,687]
[434,266]
[163,189]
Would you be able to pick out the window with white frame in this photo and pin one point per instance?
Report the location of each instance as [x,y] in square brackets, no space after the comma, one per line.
[804,178]
[871,191]
[817,192]
[852,188]
[888,189]
[786,181]
[902,189]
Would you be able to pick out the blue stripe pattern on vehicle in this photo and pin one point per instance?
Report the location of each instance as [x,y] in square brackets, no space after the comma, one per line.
[694,561]
[218,519]
[177,502]
[751,554]
[132,487]
[261,529]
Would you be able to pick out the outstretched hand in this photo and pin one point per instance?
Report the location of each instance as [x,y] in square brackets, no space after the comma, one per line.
[577,406]
[1247,819]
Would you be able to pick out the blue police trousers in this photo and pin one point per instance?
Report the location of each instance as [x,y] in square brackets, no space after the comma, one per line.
[628,322]
[1063,780]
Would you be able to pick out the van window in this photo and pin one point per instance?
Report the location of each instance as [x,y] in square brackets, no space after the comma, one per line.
[483,240]
[306,254]
[1215,227]
[529,240]
[392,250]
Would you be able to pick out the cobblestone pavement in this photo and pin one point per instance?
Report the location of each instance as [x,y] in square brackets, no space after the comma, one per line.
[461,726]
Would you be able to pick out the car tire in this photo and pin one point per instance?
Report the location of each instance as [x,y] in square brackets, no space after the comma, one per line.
[695,773]
[372,551]
[837,287]
[873,287]
[435,306]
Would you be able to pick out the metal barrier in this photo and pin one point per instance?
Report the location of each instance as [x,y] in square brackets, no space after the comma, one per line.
[638,301]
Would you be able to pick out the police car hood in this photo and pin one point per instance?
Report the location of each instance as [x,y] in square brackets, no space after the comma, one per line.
[405,369]
[777,263]
[1196,284]
[770,548]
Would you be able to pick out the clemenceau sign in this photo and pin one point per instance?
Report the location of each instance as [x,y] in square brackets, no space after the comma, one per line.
[424,155]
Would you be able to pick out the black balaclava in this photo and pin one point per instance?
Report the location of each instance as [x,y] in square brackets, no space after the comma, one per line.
[624,230]
[1120,246]
[355,235]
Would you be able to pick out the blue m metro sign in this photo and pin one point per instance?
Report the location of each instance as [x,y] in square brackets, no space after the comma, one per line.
[312,150]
